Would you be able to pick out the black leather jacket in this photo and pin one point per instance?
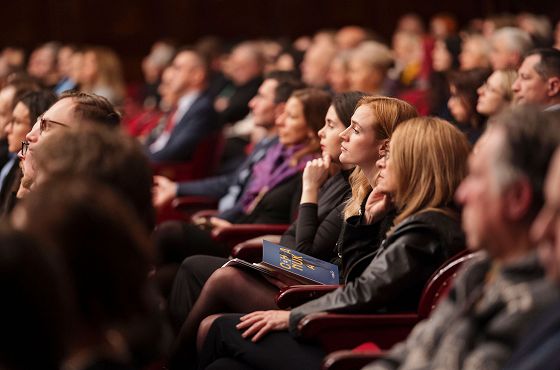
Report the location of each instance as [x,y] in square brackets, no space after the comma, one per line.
[401,266]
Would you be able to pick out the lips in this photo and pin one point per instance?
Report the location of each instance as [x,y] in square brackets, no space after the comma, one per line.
[342,148]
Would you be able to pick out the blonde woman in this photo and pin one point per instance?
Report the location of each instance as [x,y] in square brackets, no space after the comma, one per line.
[421,168]
[496,93]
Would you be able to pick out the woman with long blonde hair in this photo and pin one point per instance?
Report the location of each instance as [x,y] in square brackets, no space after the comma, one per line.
[101,74]
[421,167]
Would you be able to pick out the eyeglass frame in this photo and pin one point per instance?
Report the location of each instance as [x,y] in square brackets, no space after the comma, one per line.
[43,123]
[24,147]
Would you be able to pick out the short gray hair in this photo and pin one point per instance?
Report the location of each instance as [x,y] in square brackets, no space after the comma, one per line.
[530,140]
[515,39]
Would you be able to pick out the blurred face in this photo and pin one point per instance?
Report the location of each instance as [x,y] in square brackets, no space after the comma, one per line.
[41,63]
[330,135]
[338,76]
[546,227]
[6,98]
[472,55]
[292,128]
[530,87]
[315,66]
[491,96]
[363,77]
[58,117]
[89,68]
[501,58]
[480,196]
[386,179]
[360,145]
[18,127]
[184,66]
[441,58]
[458,109]
[65,61]
[263,106]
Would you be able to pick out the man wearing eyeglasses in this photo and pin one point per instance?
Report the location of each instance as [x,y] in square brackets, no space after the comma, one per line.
[72,109]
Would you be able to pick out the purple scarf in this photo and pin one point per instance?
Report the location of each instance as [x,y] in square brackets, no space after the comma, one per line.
[272,170]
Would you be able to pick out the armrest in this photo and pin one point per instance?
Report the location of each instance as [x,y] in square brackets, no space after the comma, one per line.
[344,331]
[296,295]
[235,234]
[190,203]
[250,251]
[348,360]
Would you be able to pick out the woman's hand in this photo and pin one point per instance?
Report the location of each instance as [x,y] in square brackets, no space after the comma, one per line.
[377,206]
[258,323]
[164,191]
[217,222]
[315,174]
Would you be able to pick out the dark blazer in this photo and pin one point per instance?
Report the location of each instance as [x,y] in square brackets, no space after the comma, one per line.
[197,123]
[11,185]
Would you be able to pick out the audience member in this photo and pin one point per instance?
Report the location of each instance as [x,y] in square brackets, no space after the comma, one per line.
[538,82]
[338,73]
[496,93]
[160,56]
[443,25]
[463,86]
[475,52]
[415,180]
[349,37]
[539,349]
[64,63]
[28,109]
[35,313]
[495,299]
[368,67]
[105,254]
[445,58]
[101,74]
[192,118]
[508,47]
[102,155]
[43,64]
[316,63]
[73,109]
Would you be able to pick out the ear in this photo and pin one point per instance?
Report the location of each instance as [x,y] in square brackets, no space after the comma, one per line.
[518,198]
[553,86]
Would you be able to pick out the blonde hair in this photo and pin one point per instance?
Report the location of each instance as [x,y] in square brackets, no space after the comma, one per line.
[429,157]
[109,72]
[507,78]
[387,113]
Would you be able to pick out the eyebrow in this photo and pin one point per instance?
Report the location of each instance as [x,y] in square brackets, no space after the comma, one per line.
[355,123]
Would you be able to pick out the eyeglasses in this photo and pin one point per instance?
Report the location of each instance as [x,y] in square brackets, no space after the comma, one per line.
[384,151]
[45,124]
[24,147]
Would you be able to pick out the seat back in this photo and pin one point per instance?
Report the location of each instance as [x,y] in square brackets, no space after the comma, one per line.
[204,160]
[439,284]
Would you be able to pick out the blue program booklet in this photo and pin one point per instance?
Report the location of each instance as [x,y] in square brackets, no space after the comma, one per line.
[291,266]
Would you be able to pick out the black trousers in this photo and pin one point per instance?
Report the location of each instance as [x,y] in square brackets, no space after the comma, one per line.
[224,348]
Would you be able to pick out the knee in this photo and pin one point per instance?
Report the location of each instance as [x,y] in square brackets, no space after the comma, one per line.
[203,330]
[225,277]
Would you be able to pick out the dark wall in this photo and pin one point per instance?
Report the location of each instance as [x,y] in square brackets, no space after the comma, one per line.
[131,26]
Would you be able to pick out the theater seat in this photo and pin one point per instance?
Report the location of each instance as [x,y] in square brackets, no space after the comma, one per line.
[344,331]
[232,235]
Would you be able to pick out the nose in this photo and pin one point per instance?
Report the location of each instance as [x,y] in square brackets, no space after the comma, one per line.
[8,128]
[321,133]
[344,134]
[33,135]
[460,193]
[380,163]
[480,90]
[515,87]
[252,103]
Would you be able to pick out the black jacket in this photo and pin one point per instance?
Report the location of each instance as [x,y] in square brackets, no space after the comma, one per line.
[399,270]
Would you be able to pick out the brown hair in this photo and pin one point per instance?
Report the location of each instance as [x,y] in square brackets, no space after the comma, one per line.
[93,108]
[315,104]
[429,156]
[388,113]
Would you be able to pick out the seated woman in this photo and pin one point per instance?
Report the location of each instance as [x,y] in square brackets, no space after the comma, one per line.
[233,290]
[273,193]
[319,221]
[463,86]
[422,167]
[26,111]
[496,93]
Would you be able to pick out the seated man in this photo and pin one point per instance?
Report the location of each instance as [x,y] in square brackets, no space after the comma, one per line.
[494,299]
[541,346]
[193,117]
